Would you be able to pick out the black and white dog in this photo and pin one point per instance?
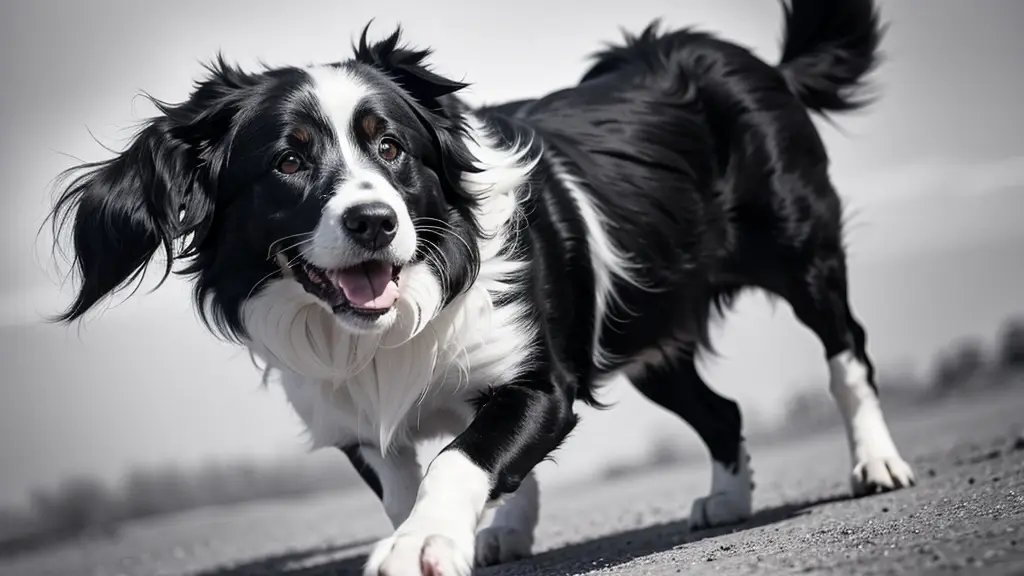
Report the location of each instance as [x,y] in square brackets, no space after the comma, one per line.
[413,268]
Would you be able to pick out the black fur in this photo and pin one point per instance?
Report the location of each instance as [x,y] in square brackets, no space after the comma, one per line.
[707,163]
[828,49]
[703,158]
[363,468]
[210,160]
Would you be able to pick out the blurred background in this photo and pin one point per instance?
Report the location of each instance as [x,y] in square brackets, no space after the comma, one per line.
[140,411]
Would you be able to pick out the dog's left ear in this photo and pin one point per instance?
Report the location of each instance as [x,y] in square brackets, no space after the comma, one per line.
[428,91]
[159,191]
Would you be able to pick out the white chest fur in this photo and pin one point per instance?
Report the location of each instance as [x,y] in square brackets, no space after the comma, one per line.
[380,387]
[377,388]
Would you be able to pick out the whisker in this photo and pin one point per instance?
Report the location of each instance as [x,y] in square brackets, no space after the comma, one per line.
[258,282]
[286,248]
[428,218]
[276,242]
[448,233]
[437,257]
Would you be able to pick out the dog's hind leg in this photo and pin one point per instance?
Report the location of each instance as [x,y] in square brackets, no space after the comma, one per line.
[817,291]
[670,378]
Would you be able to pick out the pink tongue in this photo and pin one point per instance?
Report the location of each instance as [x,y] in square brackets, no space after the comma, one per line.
[367,285]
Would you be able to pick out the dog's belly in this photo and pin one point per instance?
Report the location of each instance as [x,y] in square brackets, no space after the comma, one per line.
[675,314]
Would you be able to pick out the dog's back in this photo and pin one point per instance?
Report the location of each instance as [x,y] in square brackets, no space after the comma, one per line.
[704,160]
[703,166]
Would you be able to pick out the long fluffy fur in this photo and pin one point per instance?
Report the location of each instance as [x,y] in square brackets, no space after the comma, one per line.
[377,379]
[558,240]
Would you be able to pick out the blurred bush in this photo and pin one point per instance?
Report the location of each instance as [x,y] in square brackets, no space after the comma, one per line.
[959,366]
[1011,344]
[85,506]
[76,505]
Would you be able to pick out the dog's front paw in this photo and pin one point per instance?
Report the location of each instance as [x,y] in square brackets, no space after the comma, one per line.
[500,544]
[416,554]
[881,475]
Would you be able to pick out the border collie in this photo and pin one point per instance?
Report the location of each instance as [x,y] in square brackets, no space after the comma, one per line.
[413,267]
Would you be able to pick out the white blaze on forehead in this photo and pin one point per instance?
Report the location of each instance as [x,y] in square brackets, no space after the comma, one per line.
[338,93]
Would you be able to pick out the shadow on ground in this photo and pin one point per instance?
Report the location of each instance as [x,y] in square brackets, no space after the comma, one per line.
[605,552]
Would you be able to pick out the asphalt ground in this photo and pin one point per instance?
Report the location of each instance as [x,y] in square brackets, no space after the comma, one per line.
[966,515]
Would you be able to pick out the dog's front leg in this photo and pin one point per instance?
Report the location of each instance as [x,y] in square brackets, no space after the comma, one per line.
[394,477]
[517,427]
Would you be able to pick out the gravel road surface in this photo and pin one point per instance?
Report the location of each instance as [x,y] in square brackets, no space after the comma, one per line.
[966,515]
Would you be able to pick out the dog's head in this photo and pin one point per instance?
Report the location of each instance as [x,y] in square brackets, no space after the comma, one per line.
[337,177]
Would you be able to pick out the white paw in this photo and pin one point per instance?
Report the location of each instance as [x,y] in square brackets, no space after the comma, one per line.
[720,509]
[732,495]
[881,475]
[500,544]
[414,554]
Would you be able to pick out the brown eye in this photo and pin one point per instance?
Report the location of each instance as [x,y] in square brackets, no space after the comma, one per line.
[289,163]
[388,149]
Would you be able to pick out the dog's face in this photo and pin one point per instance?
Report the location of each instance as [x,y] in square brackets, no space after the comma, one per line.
[336,177]
[337,188]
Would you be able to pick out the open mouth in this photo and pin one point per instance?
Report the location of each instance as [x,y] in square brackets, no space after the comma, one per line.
[368,289]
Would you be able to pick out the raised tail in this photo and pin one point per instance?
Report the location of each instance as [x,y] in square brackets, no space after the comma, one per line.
[829,46]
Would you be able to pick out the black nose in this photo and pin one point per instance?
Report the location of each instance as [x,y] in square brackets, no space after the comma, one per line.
[372,225]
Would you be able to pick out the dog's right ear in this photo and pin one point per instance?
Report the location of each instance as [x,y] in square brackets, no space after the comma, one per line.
[159,190]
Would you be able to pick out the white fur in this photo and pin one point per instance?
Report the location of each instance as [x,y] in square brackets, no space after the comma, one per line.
[332,248]
[350,386]
[395,386]
[876,461]
[509,534]
[338,93]
[399,474]
[731,498]
[441,529]
[607,259]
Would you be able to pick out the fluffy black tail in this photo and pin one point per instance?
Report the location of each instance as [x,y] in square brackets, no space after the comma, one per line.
[828,48]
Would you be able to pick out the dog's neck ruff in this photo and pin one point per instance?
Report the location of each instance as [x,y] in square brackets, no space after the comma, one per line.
[380,377]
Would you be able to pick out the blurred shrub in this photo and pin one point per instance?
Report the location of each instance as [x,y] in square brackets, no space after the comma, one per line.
[85,505]
[959,366]
[76,505]
[158,491]
[1011,344]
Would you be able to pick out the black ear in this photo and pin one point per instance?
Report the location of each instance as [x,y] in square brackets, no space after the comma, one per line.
[432,99]
[160,190]
[407,67]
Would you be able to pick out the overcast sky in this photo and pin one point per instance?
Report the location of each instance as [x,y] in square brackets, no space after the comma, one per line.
[925,172]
